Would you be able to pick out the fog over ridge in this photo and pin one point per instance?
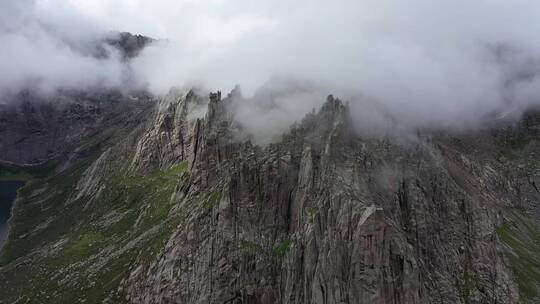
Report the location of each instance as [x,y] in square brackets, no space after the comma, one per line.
[445,63]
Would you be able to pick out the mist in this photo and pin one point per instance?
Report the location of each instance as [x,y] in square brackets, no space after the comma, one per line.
[46,48]
[446,64]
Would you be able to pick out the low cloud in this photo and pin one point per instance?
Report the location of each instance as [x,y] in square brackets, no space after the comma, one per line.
[446,64]
[449,64]
[46,49]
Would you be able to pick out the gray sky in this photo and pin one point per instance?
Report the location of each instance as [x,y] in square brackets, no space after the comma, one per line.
[433,62]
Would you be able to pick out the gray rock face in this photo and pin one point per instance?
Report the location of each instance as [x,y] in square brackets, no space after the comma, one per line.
[35,129]
[327,217]
[128,44]
[184,210]
[172,137]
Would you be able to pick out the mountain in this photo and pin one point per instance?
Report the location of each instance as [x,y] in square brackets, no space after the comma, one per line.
[37,127]
[34,129]
[144,201]
[128,44]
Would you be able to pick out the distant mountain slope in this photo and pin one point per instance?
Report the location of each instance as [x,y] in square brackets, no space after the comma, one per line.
[130,45]
[34,129]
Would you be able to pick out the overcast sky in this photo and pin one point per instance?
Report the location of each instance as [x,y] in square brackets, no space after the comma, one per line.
[451,57]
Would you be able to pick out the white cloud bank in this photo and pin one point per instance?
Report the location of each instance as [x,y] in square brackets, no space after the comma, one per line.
[444,63]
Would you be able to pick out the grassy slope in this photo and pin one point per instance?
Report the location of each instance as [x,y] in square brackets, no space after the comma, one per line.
[80,255]
[521,238]
[519,233]
[27,173]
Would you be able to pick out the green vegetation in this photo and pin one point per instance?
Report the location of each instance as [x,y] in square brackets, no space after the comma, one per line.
[460,177]
[26,173]
[465,286]
[39,202]
[278,251]
[84,244]
[126,225]
[281,249]
[521,237]
[150,193]
[212,200]
[252,247]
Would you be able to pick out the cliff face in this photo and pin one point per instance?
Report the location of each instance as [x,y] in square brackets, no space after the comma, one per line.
[35,129]
[183,210]
[326,217]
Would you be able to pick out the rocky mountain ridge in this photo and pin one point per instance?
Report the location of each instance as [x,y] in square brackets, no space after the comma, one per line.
[181,209]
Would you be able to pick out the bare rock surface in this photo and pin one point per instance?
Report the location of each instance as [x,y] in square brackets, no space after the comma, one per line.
[182,210]
[326,217]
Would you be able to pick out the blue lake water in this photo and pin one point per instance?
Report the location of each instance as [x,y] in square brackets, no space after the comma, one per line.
[8,193]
